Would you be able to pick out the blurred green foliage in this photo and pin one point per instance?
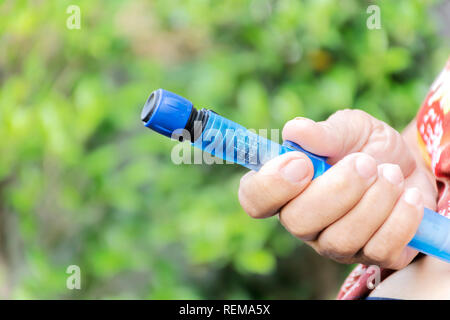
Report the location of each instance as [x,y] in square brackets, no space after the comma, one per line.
[83,182]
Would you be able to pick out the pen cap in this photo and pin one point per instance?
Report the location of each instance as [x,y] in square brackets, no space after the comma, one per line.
[165,112]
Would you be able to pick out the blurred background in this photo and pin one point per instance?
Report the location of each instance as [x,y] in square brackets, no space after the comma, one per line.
[82,182]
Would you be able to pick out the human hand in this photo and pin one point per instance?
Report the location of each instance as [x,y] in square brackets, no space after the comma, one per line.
[366,208]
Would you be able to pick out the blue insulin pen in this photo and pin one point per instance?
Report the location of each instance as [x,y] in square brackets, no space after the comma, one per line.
[176,117]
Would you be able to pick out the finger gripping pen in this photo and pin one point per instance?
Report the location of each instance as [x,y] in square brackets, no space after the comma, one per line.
[176,117]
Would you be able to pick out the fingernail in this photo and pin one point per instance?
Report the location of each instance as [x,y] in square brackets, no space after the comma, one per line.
[413,197]
[304,120]
[392,173]
[366,166]
[295,170]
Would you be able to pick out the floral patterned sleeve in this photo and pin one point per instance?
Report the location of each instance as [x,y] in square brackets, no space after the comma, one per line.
[433,124]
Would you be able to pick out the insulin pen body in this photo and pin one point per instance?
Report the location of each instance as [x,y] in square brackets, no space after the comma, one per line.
[175,117]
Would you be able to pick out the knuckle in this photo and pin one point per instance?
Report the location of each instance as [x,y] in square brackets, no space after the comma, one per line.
[291,221]
[403,226]
[336,248]
[361,113]
[402,232]
[378,254]
[346,113]
[340,181]
[342,113]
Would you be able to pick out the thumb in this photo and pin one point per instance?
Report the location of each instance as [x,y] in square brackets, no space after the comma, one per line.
[281,179]
[344,132]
